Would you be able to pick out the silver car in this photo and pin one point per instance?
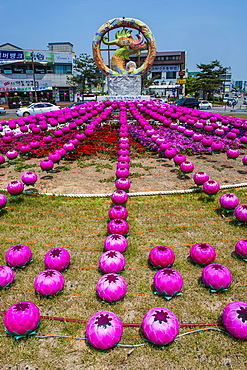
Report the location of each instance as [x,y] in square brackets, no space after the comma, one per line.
[2,110]
[36,108]
[204,104]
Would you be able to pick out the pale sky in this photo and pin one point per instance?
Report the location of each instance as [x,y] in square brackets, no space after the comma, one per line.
[206,30]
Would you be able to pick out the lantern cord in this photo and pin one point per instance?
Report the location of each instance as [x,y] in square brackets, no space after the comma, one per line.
[197,330]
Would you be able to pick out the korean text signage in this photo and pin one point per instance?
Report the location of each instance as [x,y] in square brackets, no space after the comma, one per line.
[11,56]
[24,85]
[164,68]
[39,56]
[7,56]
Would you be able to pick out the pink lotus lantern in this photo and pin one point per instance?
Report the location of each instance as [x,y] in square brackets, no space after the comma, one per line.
[7,276]
[118,226]
[207,140]
[69,147]
[119,197]
[104,330]
[111,261]
[49,283]
[160,326]
[178,159]
[211,187]
[111,287]
[115,242]
[229,201]
[15,188]
[122,172]
[168,283]
[241,249]
[3,201]
[216,277]
[118,212]
[200,177]
[232,153]
[187,167]
[202,254]
[57,259]
[11,154]
[170,153]
[217,146]
[2,159]
[21,319]
[18,255]
[29,178]
[46,165]
[244,159]
[241,213]
[122,184]
[55,157]
[161,256]
[234,318]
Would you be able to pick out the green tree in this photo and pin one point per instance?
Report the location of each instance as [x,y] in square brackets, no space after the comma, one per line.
[147,80]
[87,73]
[209,79]
[191,86]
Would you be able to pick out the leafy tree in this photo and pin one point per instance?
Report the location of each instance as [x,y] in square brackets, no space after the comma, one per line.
[191,86]
[209,78]
[87,73]
[147,80]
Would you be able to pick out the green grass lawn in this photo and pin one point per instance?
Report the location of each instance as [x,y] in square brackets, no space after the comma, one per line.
[79,225]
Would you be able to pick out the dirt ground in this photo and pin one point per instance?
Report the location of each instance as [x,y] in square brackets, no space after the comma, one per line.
[149,172]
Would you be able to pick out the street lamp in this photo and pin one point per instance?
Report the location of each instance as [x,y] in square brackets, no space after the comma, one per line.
[34,79]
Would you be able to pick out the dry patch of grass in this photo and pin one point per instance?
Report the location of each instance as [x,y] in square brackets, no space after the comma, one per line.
[79,225]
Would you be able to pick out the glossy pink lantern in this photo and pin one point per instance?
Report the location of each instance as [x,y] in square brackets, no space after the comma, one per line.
[241,213]
[168,283]
[11,154]
[200,177]
[104,330]
[22,319]
[57,259]
[160,326]
[178,159]
[229,201]
[216,277]
[115,242]
[232,153]
[111,261]
[118,226]
[211,187]
[3,201]
[244,159]
[111,287]
[7,276]
[119,197]
[18,255]
[29,178]
[2,159]
[49,283]
[122,184]
[161,256]
[46,165]
[234,318]
[187,167]
[241,249]
[118,212]
[15,188]
[202,254]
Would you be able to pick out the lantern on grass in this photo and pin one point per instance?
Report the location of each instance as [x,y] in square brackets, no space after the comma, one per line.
[211,187]
[104,330]
[55,157]
[170,153]
[187,167]
[118,226]
[178,159]
[2,159]
[3,201]
[119,197]
[15,188]
[7,276]
[234,318]
[241,213]
[232,153]
[115,242]
[122,184]
[11,154]
[118,212]
[168,283]
[46,165]
[200,177]
[229,201]
[57,259]
[111,261]
[29,178]
[161,256]
[216,277]
[160,326]
[244,159]
[22,319]
[241,249]
[49,283]
[202,254]
[111,287]
[18,255]
[122,172]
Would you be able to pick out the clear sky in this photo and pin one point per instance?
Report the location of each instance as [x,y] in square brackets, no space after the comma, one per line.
[207,30]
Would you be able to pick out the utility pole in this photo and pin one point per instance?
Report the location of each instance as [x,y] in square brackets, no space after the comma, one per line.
[34,79]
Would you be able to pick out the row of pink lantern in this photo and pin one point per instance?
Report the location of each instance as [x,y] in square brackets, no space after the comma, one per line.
[16,187]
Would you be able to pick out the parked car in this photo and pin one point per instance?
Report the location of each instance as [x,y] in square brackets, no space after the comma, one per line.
[75,104]
[188,103]
[204,104]
[36,108]
[2,110]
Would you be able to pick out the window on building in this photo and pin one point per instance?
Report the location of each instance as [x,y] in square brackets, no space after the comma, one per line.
[157,75]
[170,75]
[172,57]
[63,69]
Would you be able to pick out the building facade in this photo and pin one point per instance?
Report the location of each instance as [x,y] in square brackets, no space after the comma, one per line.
[25,74]
[169,71]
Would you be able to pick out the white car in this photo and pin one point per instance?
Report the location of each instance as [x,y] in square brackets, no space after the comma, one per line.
[204,104]
[36,108]
[2,110]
